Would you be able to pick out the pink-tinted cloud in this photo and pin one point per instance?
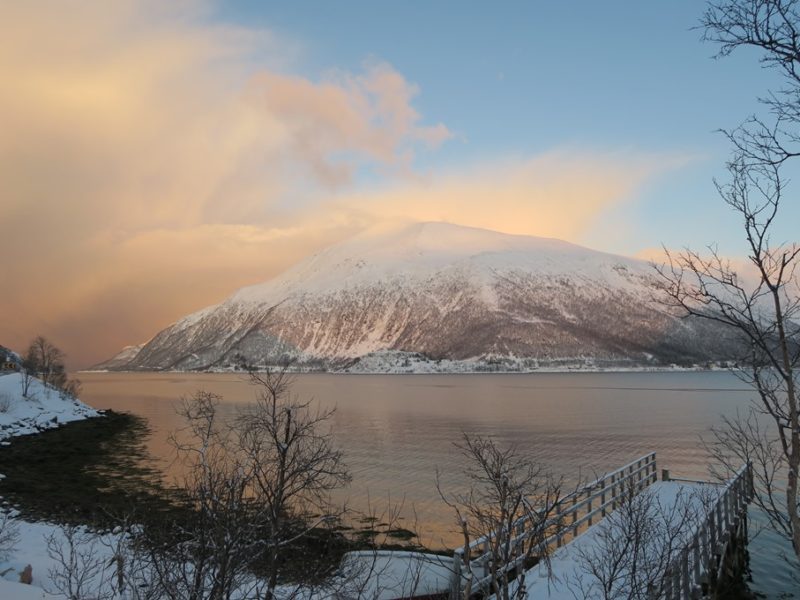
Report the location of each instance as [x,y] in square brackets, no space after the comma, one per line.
[147,154]
[556,194]
[369,116]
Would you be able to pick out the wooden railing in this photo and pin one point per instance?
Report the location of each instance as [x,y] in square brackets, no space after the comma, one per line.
[578,510]
[698,563]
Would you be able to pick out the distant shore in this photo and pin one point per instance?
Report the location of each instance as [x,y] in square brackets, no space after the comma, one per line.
[543,370]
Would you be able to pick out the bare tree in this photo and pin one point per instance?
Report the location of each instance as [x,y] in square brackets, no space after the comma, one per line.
[28,370]
[89,565]
[773,28]
[80,570]
[46,360]
[207,554]
[630,551]
[9,535]
[763,312]
[294,466]
[504,490]
[253,488]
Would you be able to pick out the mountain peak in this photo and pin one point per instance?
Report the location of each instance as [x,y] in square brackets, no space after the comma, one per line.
[439,290]
[443,236]
[421,250]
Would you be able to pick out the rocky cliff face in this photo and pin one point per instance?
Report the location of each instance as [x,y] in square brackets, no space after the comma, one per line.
[441,292]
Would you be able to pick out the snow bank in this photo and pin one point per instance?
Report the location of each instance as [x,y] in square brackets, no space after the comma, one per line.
[18,591]
[385,575]
[30,549]
[45,408]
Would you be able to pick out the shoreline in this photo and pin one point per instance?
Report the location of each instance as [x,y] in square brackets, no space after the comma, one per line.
[542,370]
[25,561]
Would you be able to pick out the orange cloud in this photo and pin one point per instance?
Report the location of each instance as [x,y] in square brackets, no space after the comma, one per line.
[147,151]
[558,194]
[152,162]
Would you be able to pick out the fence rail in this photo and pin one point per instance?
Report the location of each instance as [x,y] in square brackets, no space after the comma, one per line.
[693,570]
[589,503]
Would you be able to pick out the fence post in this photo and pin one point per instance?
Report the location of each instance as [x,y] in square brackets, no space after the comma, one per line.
[726,507]
[668,584]
[455,585]
[603,496]
[613,492]
[574,516]
[676,581]
[653,468]
[704,542]
[685,587]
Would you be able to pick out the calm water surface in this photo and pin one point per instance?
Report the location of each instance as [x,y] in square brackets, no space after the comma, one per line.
[396,431]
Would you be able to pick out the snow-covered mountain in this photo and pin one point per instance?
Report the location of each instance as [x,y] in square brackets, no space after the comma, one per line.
[439,292]
[121,358]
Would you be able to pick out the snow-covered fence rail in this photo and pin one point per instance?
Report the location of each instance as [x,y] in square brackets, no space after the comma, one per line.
[696,568]
[572,512]
[598,498]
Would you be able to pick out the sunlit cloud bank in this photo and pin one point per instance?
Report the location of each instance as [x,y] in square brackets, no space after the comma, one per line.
[153,161]
[558,194]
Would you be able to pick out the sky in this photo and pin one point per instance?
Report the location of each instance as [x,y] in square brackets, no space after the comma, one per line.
[155,157]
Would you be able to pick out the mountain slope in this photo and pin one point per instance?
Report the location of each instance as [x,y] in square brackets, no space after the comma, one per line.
[446,292]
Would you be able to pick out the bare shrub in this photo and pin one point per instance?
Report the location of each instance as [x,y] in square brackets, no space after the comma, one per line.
[6,402]
[28,374]
[630,551]
[207,554]
[257,493]
[504,487]
[70,389]
[9,535]
[80,568]
[293,466]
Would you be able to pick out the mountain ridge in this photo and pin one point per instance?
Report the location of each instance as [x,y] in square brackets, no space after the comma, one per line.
[444,292]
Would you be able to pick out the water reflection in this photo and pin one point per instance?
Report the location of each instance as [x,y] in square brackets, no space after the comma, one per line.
[396,431]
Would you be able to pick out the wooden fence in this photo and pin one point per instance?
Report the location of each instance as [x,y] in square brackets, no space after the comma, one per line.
[694,571]
[572,513]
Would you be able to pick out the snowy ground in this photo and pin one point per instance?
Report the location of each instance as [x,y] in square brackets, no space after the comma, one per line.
[44,408]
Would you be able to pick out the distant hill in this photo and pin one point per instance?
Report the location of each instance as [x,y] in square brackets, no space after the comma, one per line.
[466,298]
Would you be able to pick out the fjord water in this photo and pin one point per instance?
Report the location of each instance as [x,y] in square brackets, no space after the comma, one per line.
[397,431]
